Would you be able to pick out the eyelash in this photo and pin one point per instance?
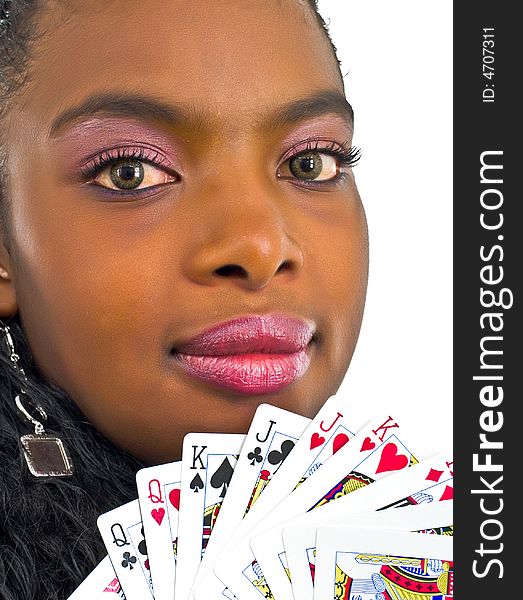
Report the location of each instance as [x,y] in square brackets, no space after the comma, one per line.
[347,156]
[108,157]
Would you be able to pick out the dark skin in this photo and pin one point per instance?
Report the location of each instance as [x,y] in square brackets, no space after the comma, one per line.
[106,284]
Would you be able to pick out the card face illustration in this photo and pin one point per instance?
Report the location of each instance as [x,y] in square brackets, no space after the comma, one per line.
[375,452]
[424,482]
[300,542]
[370,564]
[159,499]
[208,462]
[376,457]
[123,535]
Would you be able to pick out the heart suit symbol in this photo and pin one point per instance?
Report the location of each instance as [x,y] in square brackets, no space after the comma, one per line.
[368,444]
[158,514]
[316,440]
[174,498]
[339,441]
[390,459]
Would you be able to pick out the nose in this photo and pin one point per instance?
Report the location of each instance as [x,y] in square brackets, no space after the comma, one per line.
[245,243]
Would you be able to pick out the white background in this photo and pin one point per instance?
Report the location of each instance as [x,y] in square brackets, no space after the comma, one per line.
[397,62]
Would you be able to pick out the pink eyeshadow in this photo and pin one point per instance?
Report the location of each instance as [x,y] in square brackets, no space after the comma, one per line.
[87,139]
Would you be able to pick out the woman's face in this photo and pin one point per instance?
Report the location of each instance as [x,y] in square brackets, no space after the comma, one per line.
[186,240]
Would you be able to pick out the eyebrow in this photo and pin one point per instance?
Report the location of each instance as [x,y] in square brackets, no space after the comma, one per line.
[321,103]
[119,105]
[147,108]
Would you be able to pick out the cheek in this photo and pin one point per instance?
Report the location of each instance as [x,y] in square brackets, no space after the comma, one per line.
[340,259]
[83,282]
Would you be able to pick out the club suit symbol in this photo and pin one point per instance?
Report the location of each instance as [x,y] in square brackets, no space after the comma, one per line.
[255,456]
[128,560]
[142,546]
[276,457]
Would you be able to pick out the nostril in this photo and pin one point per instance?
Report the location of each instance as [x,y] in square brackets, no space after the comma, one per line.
[286,265]
[232,271]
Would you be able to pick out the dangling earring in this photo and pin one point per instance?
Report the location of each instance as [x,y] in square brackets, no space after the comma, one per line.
[45,455]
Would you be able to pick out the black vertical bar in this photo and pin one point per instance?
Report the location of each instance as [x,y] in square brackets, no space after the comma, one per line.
[487,255]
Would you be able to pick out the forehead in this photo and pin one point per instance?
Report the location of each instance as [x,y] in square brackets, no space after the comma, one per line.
[225,57]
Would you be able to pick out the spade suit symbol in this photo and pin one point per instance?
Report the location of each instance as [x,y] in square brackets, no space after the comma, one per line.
[196,484]
[222,477]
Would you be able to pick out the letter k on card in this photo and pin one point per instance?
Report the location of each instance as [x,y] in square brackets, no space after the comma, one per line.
[381,450]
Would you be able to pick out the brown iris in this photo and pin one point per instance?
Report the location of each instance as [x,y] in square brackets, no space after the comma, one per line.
[306,165]
[127,173]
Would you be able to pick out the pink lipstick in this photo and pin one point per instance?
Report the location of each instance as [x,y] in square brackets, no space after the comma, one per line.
[255,354]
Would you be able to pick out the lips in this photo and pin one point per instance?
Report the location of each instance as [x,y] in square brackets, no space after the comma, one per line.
[256,354]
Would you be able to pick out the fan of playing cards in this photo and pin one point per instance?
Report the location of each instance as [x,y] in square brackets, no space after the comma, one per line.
[297,509]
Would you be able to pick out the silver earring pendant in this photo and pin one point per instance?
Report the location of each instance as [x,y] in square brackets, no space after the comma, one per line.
[45,455]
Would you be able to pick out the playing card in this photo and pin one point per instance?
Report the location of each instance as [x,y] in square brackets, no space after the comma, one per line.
[159,499]
[324,436]
[123,535]
[300,542]
[425,482]
[376,451]
[272,435]
[378,455]
[100,584]
[208,461]
[371,564]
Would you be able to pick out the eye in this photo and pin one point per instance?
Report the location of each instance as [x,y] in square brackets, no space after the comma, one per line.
[318,165]
[127,169]
[132,174]
[313,166]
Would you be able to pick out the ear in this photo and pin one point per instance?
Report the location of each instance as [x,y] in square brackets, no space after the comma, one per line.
[8,304]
